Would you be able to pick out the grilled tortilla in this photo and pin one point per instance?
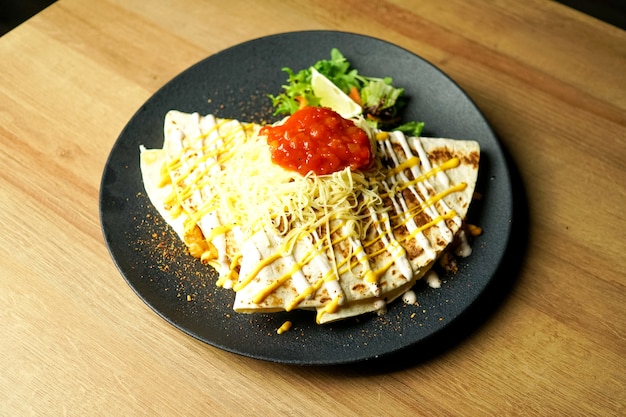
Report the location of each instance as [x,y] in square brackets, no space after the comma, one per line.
[343,244]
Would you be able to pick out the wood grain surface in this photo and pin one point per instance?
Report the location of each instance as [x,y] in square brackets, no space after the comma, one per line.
[75,339]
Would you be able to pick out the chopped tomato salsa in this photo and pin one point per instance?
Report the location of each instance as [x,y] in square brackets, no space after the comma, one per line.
[318,139]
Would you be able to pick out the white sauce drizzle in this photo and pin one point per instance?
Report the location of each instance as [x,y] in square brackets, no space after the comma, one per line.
[361,256]
[432,279]
[287,263]
[424,187]
[409,297]
[391,244]
[464,249]
[441,176]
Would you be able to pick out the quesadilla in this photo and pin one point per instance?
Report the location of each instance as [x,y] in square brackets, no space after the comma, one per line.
[342,244]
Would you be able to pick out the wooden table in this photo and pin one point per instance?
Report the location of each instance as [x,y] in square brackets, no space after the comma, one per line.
[76,340]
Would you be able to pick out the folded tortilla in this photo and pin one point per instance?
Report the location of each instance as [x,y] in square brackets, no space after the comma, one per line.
[344,244]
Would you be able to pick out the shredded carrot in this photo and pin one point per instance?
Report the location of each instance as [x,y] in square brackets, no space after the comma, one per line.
[302,101]
[355,95]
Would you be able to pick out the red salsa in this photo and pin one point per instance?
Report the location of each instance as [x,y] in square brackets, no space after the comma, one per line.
[318,139]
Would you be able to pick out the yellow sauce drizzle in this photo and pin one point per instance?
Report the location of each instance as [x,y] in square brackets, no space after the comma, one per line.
[231,271]
[263,294]
[398,188]
[329,308]
[264,262]
[284,328]
[219,230]
[450,215]
[430,202]
[409,163]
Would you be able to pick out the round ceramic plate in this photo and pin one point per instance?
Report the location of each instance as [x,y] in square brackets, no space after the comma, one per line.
[235,83]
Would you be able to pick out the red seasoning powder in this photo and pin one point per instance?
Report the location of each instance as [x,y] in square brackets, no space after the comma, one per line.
[318,139]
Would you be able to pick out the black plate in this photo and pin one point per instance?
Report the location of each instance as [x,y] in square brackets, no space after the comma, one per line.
[234,83]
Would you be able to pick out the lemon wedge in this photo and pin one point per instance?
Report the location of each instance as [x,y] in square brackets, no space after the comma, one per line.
[331,96]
